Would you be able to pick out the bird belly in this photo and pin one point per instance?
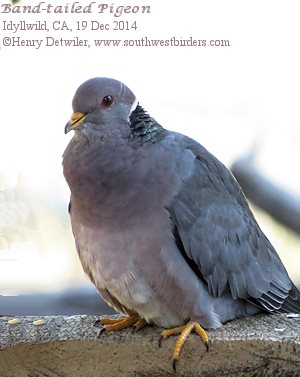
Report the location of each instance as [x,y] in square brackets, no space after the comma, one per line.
[128,292]
[119,280]
[136,296]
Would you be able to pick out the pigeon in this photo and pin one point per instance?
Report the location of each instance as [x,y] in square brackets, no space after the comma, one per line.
[161,226]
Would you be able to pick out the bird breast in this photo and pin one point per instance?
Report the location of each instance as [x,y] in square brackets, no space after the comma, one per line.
[124,181]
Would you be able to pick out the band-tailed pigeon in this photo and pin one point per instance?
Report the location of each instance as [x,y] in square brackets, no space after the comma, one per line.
[161,226]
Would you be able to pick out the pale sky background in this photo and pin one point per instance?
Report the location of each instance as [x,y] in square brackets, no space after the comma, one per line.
[231,99]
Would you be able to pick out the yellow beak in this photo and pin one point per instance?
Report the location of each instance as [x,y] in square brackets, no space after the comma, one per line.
[75,121]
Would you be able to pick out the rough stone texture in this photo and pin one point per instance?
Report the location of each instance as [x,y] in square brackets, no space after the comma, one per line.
[68,346]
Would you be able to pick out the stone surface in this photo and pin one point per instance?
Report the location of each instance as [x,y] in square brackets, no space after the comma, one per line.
[68,346]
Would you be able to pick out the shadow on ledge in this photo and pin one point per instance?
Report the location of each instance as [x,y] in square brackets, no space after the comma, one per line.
[68,346]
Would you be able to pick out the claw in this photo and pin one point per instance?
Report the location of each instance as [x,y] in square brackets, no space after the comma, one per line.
[97,323]
[101,332]
[174,361]
[160,339]
[207,346]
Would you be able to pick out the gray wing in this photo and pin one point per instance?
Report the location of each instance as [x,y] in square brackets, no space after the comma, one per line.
[219,237]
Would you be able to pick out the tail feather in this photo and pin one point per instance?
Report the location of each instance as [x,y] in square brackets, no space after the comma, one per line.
[292,302]
[275,301]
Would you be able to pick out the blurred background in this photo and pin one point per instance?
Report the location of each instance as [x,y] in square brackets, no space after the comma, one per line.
[237,101]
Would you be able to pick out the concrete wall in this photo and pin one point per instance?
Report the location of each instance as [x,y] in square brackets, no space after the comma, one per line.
[68,346]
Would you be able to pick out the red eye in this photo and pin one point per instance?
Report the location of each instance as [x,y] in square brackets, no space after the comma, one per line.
[107,101]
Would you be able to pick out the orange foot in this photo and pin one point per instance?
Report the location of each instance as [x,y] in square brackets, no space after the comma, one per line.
[117,324]
[184,332]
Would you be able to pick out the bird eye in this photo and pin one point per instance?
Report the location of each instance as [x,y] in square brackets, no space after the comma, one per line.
[107,101]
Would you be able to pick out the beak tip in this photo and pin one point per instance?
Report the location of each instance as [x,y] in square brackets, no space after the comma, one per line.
[68,127]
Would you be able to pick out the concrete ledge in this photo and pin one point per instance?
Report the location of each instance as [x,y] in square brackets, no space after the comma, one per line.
[68,346]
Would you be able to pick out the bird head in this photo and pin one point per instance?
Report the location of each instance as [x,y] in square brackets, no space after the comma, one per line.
[99,103]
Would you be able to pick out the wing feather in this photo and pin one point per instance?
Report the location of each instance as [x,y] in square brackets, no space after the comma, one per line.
[221,237]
